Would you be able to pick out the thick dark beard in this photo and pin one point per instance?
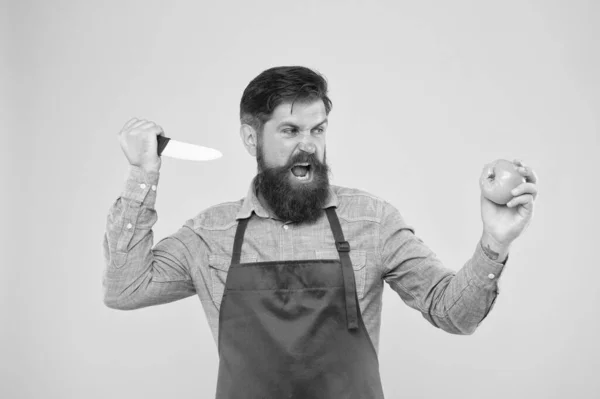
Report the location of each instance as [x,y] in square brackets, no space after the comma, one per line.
[293,202]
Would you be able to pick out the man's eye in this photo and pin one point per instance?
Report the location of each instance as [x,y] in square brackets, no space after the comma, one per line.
[289,131]
[320,130]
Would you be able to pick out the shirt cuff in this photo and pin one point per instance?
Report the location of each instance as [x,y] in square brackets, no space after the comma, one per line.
[483,270]
[140,186]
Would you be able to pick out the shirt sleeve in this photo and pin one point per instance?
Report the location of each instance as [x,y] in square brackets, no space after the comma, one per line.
[456,302]
[137,275]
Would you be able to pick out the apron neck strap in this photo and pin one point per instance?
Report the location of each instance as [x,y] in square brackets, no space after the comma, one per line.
[340,243]
[239,239]
[343,248]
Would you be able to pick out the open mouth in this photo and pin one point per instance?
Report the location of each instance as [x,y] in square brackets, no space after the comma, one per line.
[301,171]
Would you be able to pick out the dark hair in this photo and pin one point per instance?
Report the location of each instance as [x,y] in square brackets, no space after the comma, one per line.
[277,85]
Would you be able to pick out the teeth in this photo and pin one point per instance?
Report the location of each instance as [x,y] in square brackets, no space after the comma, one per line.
[305,177]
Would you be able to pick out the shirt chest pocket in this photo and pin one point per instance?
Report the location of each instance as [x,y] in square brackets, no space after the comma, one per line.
[359,261]
[218,266]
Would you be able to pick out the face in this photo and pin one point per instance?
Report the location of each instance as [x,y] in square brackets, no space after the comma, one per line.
[291,131]
[293,174]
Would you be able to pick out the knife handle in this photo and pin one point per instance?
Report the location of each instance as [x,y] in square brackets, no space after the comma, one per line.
[162,143]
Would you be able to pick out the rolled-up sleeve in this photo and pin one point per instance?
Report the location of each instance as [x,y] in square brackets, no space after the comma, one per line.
[136,274]
[456,302]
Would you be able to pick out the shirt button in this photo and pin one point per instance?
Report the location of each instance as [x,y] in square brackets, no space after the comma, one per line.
[143,186]
[153,187]
[129,225]
[285,226]
[491,276]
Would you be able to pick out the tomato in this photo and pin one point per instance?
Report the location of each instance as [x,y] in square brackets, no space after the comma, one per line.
[498,179]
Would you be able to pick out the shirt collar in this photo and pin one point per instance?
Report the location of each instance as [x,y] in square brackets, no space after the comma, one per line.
[252,204]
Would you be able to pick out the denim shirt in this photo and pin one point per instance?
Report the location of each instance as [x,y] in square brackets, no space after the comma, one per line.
[195,259]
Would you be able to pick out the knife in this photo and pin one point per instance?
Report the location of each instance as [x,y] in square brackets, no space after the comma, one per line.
[180,150]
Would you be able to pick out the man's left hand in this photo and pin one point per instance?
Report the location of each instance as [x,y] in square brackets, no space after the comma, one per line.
[504,223]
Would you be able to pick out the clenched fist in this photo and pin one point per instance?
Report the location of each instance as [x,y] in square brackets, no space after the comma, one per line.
[139,144]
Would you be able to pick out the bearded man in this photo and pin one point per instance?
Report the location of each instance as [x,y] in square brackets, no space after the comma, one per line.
[291,276]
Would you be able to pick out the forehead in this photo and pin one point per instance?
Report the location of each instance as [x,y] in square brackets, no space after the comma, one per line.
[301,113]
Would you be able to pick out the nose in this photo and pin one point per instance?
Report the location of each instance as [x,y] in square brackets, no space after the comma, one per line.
[308,147]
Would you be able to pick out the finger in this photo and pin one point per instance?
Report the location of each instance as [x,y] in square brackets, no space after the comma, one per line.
[528,173]
[137,124]
[525,188]
[129,123]
[145,126]
[156,130]
[520,200]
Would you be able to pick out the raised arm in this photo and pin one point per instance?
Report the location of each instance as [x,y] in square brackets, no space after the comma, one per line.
[456,302]
[136,273]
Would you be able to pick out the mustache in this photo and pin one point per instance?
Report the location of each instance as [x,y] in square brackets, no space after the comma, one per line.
[319,167]
[303,157]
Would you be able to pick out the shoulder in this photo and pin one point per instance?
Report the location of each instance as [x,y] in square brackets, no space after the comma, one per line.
[218,217]
[354,203]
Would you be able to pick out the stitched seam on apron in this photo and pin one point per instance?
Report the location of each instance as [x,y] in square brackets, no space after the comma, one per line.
[285,289]
[277,262]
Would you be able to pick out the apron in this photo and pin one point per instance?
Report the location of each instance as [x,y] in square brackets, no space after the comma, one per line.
[293,329]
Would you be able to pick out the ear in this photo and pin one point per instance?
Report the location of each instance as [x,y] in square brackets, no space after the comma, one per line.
[249,138]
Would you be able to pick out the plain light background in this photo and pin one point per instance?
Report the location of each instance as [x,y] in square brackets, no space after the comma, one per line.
[424,94]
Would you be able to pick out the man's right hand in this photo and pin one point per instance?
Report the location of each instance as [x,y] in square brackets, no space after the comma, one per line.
[139,144]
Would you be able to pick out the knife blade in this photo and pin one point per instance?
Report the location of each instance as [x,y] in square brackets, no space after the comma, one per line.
[180,150]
